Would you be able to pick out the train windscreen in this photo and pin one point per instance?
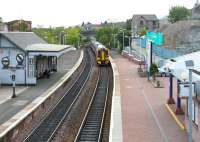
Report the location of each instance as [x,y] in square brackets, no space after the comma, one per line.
[106,52]
[99,53]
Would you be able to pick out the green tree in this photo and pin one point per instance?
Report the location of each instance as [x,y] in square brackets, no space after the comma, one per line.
[142,31]
[177,13]
[126,37]
[128,24]
[23,26]
[73,36]
[104,35]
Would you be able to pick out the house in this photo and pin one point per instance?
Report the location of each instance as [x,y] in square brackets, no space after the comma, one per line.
[3,27]
[19,25]
[27,56]
[196,11]
[150,21]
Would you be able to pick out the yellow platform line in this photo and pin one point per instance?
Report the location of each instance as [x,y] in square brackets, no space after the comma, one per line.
[179,123]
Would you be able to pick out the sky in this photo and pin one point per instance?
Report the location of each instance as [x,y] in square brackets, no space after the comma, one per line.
[73,12]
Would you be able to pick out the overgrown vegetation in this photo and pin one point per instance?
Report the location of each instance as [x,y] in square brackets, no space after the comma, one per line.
[113,37]
[59,35]
[177,13]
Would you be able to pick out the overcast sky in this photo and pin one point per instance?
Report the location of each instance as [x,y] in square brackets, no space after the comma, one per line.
[74,12]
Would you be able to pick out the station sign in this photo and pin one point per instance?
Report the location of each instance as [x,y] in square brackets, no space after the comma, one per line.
[5,61]
[155,37]
[184,90]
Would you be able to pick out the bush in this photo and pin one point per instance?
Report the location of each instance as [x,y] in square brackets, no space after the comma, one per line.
[153,70]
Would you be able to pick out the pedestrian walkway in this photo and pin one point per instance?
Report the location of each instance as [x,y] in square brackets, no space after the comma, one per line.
[144,115]
[10,107]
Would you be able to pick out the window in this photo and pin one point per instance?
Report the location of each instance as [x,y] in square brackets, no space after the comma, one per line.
[141,23]
[154,23]
[31,67]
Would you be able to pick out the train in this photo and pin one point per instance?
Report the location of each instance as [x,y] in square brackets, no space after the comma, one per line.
[102,54]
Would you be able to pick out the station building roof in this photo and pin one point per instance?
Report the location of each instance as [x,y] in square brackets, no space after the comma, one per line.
[177,66]
[30,42]
[23,39]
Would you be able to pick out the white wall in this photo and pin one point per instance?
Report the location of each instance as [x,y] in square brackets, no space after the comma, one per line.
[10,50]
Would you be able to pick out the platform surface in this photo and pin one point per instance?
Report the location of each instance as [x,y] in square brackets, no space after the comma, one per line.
[143,113]
[25,95]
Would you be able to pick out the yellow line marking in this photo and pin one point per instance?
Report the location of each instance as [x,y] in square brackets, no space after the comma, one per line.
[180,124]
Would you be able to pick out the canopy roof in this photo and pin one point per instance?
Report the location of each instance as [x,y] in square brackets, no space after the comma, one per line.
[48,49]
[177,67]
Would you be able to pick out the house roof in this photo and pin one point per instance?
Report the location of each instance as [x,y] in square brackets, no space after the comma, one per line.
[149,17]
[23,39]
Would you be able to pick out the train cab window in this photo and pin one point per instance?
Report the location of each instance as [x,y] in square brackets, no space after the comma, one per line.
[99,53]
[106,53]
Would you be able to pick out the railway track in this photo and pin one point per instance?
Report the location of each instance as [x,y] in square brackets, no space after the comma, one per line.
[48,127]
[92,124]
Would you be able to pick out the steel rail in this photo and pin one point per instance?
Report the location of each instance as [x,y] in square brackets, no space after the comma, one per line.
[92,123]
[45,136]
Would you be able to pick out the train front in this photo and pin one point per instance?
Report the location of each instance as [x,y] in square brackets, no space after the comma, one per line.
[103,56]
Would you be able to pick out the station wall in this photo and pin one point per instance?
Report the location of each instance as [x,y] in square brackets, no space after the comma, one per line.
[7,49]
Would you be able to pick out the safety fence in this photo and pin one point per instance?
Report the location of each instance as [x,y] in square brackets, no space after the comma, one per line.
[158,50]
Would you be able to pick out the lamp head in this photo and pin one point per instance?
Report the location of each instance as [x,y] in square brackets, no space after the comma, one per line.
[184,76]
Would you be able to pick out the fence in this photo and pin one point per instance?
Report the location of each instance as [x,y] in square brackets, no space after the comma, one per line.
[159,51]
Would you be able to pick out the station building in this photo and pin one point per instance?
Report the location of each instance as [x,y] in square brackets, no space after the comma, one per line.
[27,57]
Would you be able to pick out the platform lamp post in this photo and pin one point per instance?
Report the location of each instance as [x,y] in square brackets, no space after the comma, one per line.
[122,30]
[190,65]
[114,40]
[13,78]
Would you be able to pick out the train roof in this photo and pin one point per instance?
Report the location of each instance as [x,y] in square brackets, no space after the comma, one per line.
[98,44]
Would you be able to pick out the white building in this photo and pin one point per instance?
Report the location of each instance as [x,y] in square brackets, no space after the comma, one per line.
[27,56]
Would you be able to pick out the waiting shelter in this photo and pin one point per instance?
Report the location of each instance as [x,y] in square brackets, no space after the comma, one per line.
[177,67]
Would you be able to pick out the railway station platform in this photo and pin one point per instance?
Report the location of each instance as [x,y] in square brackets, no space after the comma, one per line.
[139,113]
[12,110]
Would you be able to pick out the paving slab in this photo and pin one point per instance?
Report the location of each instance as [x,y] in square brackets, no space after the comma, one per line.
[144,115]
[10,107]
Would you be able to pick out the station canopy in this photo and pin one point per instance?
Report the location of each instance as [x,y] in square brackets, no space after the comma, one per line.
[48,49]
[177,67]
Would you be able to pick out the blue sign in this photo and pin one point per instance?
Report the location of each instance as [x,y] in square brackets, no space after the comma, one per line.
[155,37]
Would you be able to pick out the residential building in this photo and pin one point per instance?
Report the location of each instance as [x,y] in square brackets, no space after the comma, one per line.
[150,21]
[19,25]
[3,27]
[196,11]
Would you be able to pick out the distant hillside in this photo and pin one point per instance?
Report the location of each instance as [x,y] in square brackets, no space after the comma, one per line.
[182,34]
